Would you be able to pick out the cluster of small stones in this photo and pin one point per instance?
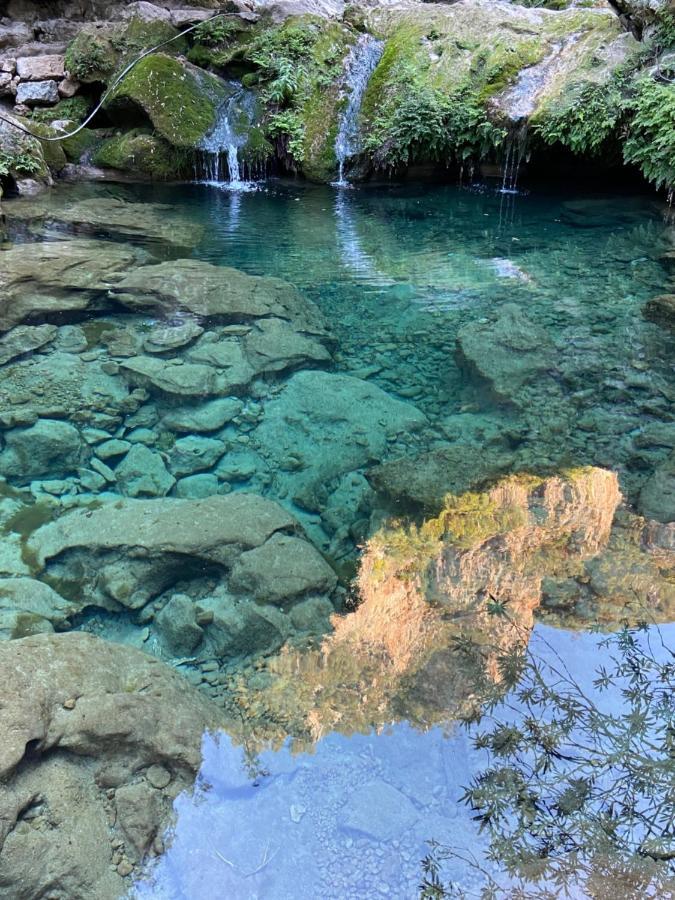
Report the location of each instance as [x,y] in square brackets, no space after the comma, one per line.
[33,81]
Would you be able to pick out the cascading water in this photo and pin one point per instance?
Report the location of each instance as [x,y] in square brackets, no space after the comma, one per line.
[516,147]
[360,65]
[218,162]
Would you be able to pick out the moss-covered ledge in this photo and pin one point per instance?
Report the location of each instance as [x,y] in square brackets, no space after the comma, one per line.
[179,100]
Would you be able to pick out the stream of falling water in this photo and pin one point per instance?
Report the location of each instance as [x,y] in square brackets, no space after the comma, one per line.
[360,65]
[220,148]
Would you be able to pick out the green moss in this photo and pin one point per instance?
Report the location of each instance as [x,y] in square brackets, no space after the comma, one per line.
[91,57]
[75,147]
[139,35]
[298,65]
[416,110]
[143,154]
[74,108]
[52,151]
[179,101]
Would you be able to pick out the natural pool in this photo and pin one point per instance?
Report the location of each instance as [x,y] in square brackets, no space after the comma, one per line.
[211,400]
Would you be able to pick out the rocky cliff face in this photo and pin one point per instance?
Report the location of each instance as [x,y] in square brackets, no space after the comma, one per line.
[456,84]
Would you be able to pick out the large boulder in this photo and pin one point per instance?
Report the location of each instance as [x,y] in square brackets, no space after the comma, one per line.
[157,223]
[505,353]
[323,425]
[179,99]
[49,447]
[216,529]
[215,292]
[97,741]
[57,276]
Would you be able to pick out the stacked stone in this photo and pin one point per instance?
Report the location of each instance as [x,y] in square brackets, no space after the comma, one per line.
[36,80]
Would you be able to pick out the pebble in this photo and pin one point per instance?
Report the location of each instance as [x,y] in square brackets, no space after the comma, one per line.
[125,868]
[158,776]
[69,703]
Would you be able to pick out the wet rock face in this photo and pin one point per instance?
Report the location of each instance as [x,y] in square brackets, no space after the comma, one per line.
[99,739]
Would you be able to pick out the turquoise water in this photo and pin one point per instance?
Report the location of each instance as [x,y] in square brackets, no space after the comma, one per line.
[192,461]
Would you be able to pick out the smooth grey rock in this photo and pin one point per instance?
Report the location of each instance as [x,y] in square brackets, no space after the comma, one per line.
[196,487]
[177,625]
[113,448]
[190,379]
[49,447]
[194,453]
[38,93]
[242,628]
[215,529]
[282,569]
[24,339]
[142,473]
[209,416]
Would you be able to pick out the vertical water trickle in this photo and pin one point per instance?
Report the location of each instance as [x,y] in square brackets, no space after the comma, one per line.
[218,160]
[360,65]
[516,147]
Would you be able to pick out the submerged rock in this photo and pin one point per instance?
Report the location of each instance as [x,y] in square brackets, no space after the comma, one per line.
[30,607]
[25,339]
[285,567]
[657,497]
[121,219]
[82,721]
[507,353]
[323,425]
[424,480]
[55,277]
[217,529]
[49,448]
[215,292]
[188,379]
[142,473]
[209,416]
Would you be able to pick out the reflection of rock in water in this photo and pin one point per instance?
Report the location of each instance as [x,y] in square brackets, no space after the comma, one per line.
[423,638]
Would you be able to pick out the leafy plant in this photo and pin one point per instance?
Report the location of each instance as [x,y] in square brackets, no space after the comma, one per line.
[289,125]
[215,32]
[649,143]
[587,122]
[18,163]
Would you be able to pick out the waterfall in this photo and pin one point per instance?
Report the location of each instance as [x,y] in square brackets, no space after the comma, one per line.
[516,146]
[361,62]
[218,160]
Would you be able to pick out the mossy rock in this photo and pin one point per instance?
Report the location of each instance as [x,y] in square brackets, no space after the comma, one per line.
[76,146]
[52,151]
[178,99]
[142,154]
[75,109]
[91,57]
